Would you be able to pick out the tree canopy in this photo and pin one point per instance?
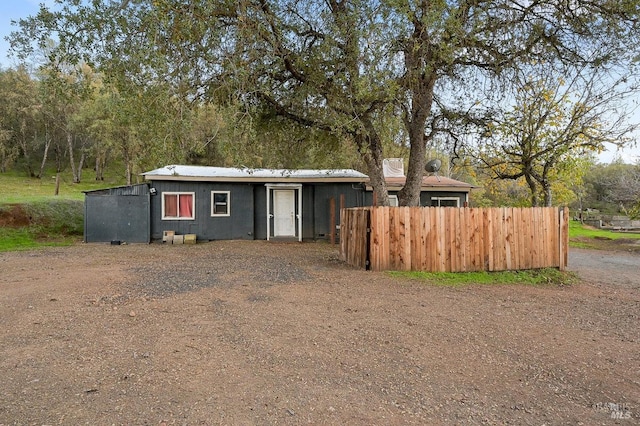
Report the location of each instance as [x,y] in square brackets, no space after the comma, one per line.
[556,117]
[340,69]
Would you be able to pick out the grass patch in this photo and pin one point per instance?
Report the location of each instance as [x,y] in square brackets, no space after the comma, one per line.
[20,189]
[12,239]
[32,216]
[588,237]
[536,277]
[40,223]
[578,230]
[582,244]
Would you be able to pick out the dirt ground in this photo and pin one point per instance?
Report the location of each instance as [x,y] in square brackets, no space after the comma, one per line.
[258,333]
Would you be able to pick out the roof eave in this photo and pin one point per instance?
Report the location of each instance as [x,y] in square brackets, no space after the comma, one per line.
[248,179]
[429,188]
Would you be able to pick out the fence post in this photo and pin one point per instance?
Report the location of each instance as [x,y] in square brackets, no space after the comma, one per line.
[367,244]
[563,236]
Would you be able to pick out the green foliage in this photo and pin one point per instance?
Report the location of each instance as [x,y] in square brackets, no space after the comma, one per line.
[41,223]
[559,116]
[16,239]
[547,276]
[612,188]
[147,83]
[634,212]
[56,217]
[26,239]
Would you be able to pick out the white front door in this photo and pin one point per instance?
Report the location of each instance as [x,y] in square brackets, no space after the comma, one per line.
[284,213]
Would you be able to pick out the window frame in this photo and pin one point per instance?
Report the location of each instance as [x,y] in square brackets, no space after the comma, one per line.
[438,199]
[178,193]
[213,194]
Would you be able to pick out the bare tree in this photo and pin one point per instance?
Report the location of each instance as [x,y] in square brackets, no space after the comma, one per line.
[556,116]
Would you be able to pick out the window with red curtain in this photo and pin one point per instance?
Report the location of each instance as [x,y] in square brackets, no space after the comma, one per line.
[185,205]
[177,206]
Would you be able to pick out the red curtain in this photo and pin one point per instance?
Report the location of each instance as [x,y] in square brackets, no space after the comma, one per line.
[186,204]
[170,205]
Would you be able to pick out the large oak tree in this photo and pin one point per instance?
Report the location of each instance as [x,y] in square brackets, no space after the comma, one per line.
[338,66]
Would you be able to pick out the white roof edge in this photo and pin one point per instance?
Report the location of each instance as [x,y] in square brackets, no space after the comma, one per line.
[291,179]
[207,173]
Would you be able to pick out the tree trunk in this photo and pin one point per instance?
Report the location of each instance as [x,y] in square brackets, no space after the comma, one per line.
[45,154]
[534,190]
[409,195]
[74,171]
[128,172]
[547,196]
[83,157]
[101,163]
[27,157]
[57,190]
[580,209]
[99,168]
[420,88]
[376,179]
[370,147]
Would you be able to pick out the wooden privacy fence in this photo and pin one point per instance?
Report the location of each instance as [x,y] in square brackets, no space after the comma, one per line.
[451,239]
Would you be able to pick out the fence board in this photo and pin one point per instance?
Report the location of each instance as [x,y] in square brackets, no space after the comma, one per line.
[454,239]
[551,256]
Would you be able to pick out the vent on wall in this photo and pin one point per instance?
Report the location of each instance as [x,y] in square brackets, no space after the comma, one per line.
[393,167]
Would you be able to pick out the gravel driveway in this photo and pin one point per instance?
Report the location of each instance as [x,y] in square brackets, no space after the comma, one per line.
[606,267]
[256,333]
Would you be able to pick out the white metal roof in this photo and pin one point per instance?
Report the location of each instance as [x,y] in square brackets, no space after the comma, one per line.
[229,174]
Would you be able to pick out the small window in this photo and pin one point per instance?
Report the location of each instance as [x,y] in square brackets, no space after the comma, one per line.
[178,205]
[445,202]
[393,200]
[220,203]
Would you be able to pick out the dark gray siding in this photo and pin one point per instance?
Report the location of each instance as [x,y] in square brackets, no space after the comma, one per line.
[260,211]
[316,215]
[248,207]
[132,214]
[425,197]
[117,214]
[237,226]
[353,197]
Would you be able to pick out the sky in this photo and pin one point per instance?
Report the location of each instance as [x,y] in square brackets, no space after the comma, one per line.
[16,9]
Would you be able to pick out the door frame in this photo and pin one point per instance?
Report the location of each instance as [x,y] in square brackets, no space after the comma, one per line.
[297,188]
[284,210]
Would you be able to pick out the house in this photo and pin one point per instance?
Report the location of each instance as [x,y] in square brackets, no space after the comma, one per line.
[220,203]
[217,203]
[435,191]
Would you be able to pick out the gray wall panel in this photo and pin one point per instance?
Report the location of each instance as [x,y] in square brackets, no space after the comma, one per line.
[238,225]
[117,218]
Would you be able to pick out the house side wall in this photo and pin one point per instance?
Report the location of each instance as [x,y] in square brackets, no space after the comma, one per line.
[239,225]
[248,209]
[119,214]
